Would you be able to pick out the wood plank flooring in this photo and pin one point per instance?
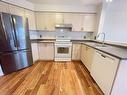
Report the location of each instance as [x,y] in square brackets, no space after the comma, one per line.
[50,78]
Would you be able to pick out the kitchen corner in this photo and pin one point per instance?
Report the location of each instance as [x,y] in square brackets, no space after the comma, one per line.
[63,47]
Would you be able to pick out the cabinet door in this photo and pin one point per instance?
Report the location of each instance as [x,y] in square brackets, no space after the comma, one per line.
[89,22]
[76,51]
[31,19]
[45,21]
[68,18]
[50,51]
[50,21]
[83,53]
[58,18]
[77,20]
[103,71]
[35,54]
[46,51]
[40,21]
[89,57]
[4,7]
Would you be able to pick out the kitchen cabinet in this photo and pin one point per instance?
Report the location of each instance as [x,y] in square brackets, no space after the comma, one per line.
[34,47]
[83,54]
[59,18]
[77,21]
[89,22]
[46,51]
[89,57]
[80,22]
[45,21]
[76,48]
[31,19]
[103,70]
[74,19]
[87,54]
[17,10]
[67,18]
[8,8]
[4,7]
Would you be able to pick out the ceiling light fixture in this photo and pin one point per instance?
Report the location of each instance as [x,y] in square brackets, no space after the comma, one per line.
[108,1]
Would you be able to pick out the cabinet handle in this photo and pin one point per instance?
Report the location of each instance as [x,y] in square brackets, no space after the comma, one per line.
[45,44]
[104,56]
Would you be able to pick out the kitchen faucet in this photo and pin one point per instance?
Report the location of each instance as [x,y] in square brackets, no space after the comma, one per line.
[103,37]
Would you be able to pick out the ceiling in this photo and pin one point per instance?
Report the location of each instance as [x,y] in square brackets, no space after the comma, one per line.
[66,2]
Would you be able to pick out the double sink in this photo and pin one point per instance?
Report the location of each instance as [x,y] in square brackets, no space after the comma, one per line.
[97,45]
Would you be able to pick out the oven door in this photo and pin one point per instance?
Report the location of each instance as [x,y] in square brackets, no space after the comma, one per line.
[63,50]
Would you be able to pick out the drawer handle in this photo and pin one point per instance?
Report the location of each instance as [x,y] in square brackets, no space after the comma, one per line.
[103,56]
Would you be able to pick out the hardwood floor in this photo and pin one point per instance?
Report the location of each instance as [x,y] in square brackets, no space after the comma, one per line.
[50,78]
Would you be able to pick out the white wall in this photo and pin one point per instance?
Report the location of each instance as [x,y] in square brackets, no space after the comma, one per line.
[115,21]
[21,3]
[66,8]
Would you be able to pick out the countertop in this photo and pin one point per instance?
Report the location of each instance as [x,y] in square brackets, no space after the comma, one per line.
[43,40]
[115,50]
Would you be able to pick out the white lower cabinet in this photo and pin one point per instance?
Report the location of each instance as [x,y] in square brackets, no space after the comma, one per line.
[103,71]
[34,47]
[46,51]
[87,54]
[76,48]
[83,54]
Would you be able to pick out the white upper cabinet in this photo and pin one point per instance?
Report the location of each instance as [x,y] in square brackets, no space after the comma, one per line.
[89,22]
[68,18]
[45,21]
[40,21]
[59,18]
[17,10]
[31,19]
[74,19]
[4,7]
[80,22]
[77,20]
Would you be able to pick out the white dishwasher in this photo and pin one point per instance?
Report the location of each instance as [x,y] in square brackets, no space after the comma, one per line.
[103,71]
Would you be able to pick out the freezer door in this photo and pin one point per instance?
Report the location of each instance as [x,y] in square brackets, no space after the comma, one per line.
[20,32]
[7,36]
[11,62]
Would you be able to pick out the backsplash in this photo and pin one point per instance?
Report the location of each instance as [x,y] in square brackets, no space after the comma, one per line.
[52,35]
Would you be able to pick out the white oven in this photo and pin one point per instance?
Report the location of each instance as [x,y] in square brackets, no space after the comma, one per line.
[63,51]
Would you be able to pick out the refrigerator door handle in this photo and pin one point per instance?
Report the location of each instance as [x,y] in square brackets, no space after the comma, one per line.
[3,24]
[14,32]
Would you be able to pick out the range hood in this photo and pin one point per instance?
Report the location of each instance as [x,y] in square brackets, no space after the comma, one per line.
[63,26]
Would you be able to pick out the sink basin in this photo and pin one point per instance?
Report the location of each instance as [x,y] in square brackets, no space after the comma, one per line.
[101,45]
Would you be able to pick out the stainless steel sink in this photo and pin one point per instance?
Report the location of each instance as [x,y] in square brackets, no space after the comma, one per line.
[101,45]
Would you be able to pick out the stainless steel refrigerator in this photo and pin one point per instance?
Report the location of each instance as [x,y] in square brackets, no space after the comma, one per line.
[15,48]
